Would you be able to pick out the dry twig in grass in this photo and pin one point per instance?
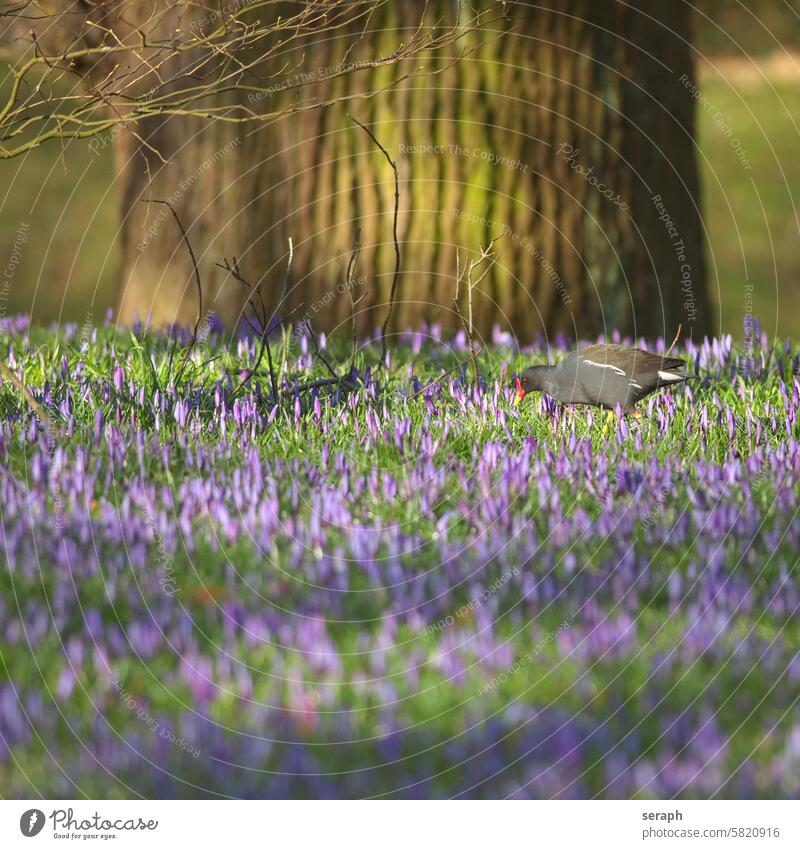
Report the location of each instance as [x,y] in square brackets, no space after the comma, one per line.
[262,317]
[487,258]
[674,341]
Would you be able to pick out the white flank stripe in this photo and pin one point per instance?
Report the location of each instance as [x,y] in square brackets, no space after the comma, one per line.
[669,377]
[637,385]
[604,365]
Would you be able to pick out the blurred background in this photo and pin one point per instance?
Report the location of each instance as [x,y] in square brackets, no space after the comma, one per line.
[748,130]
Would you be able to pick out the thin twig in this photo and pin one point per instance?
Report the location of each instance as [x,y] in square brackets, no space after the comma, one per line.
[286,277]
[316,384]
[487,256]
[318,351]
[351,267]
[260,315]
[463,321]
[396,275]
[196,269]
[261,318]
[194,262]
[273,381]
[286,336]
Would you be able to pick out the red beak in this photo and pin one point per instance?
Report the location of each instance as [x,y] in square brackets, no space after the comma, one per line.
[520,390]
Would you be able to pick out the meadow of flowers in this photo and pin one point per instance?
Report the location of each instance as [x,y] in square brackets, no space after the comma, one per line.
[406,588]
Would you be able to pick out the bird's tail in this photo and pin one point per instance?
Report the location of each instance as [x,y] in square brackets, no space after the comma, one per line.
[670,375]
[671,363]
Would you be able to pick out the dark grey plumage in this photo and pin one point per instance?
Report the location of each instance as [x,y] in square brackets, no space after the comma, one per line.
[605,376]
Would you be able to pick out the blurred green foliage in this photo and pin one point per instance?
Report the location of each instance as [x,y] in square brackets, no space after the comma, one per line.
[67,268]
[752,214]
[757,27]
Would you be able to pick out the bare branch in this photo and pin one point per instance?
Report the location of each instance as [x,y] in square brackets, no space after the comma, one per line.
[487,258]
[196,269]
[396,276]
[135,64]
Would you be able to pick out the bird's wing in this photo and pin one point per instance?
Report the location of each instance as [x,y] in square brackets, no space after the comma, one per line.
[613,357]
[635,362]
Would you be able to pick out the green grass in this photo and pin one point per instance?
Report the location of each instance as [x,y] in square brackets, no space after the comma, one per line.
[574,504]
[753,215]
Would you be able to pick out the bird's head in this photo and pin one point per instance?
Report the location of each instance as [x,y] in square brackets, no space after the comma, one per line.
[535,379]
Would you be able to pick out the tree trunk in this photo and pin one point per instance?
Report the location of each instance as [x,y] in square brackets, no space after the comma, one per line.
[567,129]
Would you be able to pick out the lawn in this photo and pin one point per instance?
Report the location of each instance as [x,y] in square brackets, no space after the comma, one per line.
[748,138]
[400,588]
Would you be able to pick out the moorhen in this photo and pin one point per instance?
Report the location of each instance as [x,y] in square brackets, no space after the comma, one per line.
[604,376]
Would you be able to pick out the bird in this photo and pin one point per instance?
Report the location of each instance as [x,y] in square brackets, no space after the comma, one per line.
[604,376]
